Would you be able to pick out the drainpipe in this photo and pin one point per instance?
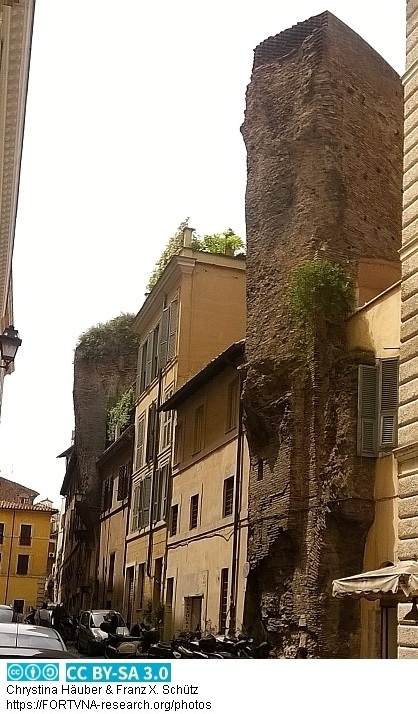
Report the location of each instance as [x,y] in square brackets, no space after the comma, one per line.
[154,471]
[128,520]
[10,558]
[236,533]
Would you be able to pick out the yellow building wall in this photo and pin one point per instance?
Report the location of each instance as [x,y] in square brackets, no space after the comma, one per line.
[213,314]
[376,328]
[30,587]
[112,540]
[196,557]
[137,553]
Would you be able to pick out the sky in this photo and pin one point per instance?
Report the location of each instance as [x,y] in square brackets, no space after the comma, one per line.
[133,124]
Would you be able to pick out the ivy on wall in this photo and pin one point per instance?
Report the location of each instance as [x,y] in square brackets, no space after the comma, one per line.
[120,414]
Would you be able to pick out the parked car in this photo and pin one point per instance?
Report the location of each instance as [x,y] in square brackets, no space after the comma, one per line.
[18,637]
[6,613]
[89,637]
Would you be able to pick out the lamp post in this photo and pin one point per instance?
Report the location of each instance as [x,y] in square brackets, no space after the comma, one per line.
[9,345]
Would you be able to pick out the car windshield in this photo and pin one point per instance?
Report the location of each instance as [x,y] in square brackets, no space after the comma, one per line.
[99,617]
[8,639]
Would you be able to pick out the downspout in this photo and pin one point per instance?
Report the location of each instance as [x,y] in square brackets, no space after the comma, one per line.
[128,520]
[10,557]
[236,534]
[154,471]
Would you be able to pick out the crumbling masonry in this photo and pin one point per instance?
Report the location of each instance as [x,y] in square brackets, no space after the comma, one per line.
[323,132]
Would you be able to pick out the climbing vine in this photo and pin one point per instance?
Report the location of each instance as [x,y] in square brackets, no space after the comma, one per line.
[120,413]
[319,292]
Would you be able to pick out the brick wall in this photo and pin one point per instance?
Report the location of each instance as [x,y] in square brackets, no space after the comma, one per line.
[323,131]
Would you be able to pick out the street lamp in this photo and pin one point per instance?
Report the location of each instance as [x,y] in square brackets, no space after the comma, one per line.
[9,345]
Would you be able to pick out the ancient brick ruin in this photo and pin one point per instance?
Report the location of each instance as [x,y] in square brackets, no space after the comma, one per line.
[323,132]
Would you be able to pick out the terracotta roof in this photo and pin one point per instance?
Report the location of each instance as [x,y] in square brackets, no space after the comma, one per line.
[27,507]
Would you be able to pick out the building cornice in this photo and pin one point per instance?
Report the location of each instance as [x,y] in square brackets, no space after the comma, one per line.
[407,452]
[16,38]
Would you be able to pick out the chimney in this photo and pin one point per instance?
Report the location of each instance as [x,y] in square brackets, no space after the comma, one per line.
[187,237]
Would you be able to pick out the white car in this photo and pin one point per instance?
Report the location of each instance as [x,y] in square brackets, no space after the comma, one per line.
[90,638]
[6,613]
[17,636]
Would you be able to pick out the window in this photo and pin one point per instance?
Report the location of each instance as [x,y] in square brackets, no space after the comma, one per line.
[1,533]
[111,571]
[223,605]
[260,470]
[141,581]
[25,537]
[144,502]
[174,519]
[18,606]
[167,418]
[140,436]
[198,430]
[194,511]
[377,407]
[158,581]
[151,432]
[154,354]
[123,482]
[232,409]
[135,507]
[159,505]
[143,367]
[22,565]
[178,444]
[168,334]
[107,495]
[169,591]
[228,497]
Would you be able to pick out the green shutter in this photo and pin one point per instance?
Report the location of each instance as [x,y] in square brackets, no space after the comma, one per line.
[388,402]
[172,335]
[367,411]
[162,349]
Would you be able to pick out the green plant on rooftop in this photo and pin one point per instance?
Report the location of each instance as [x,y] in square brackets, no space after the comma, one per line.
[226,242]
[108,339]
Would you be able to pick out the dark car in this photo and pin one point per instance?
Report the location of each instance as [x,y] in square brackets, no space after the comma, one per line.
[90,638]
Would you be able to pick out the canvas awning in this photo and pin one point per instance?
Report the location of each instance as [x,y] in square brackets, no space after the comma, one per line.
[401,579]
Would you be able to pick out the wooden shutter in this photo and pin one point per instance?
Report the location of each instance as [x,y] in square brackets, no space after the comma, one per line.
[165,473]
[148,377]
[367,410]
[146,498]
[143,373]
[172,336]
[163,346]
[123,482]
[198,430]
[388,402]
[135,509]
[155,346]
[151,429]
[156,496]
[140,435]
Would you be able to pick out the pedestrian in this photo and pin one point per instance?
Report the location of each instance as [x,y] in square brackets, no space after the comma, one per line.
[57,615]
[43,616]
[30,617]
